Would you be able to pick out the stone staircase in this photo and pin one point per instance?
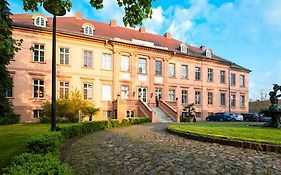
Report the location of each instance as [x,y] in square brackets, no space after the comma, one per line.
[161,116]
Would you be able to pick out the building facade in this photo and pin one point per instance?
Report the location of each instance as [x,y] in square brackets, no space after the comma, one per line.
[115,67]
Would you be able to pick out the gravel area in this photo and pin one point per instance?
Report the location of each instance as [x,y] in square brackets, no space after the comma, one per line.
[149,149]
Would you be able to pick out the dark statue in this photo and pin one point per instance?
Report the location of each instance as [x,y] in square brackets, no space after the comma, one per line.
[274,109]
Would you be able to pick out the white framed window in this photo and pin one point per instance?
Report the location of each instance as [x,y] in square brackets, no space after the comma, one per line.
[37,113]
[130,114]
[106,61]
[88,59]
[242,101]
[88,91]
[223,99]
[184,71]
[107,114]
[198,114]
[183,48]
[142,94]
[222,76]
[124,92]
[64,56]
[64,89]
[40,21]
[88,30]
[242,81]
[232,100]
[197,97]
[142,65]
[125,63]
[208,53]
[172,70]
[210,75]
[210,98]
[233,79]
[38,52]
[197,73]
[106,93]
[184,96]
[172,95]
[38,88]
[158,67]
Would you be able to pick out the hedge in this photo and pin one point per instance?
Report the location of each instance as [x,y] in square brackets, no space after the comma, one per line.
[44,149]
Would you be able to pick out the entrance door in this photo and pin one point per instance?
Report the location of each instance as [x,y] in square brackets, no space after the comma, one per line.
[142,94]
[158,95]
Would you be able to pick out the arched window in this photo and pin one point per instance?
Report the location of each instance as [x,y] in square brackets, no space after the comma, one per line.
[208,53]
[40,21]
[88,30]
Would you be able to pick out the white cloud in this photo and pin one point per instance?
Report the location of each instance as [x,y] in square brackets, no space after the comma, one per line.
[71,13]
[154,24]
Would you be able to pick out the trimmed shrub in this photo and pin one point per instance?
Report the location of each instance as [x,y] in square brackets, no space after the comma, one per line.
[29,163]
[46,143]
[113,123]
[11,118]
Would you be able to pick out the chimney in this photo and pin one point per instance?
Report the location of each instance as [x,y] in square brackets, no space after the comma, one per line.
[167,35]
[203,48]
[113,22]
[78,15]
[142,29]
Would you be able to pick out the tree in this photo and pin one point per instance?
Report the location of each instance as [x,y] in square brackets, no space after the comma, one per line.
[8,48]
[135,11]
[90,111]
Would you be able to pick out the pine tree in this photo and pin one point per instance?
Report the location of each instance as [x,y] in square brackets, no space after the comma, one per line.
[8,48]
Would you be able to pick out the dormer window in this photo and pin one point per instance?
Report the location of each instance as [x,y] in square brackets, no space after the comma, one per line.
[40,21]
[88,30]
[208,53]
[183,48]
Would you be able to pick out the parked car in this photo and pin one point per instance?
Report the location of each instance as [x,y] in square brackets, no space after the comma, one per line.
[264,119]
[251,117]
[224,117]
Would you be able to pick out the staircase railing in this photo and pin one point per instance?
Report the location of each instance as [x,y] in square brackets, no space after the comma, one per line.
[169,110]
[146,110]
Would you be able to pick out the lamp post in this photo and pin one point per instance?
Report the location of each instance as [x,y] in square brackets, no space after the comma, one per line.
[56,9]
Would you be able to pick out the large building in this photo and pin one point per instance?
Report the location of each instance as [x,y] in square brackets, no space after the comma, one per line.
[124,72]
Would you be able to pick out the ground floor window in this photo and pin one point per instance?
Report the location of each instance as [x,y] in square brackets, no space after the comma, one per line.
[198,114]
[130,114]
[37,113]
[184,97]
[107,114]
[172,95]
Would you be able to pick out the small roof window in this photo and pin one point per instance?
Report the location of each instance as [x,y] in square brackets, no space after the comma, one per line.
[40,21]
[208,53]
[88,30]
[183,48]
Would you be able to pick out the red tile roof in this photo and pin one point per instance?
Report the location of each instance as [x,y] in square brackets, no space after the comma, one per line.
[74,25]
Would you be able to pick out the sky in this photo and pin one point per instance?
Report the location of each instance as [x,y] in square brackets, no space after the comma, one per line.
[247,32]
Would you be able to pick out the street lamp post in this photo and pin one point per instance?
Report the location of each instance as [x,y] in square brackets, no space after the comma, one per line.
[56,9]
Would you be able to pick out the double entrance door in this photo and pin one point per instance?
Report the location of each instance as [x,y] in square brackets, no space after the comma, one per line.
[142,94]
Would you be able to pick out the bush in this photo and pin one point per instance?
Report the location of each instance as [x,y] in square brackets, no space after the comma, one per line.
[46,143]
[29,163]
[113,123]
[10,118]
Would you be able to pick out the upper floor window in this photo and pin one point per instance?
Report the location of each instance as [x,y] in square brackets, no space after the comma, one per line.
[40,21]
[124,92]
[88,30]
[125,63]
[88,91]
[64,89]
[210,75]
[142,65]
[222,76]
[197,73]
[172,70]
[232,79]
[184,71]
[242,81]
[197,97]
[106,61]
[183,48]
[64,56]
[38,53]
[88,59]
[172,93]
[158,67]
[38,88]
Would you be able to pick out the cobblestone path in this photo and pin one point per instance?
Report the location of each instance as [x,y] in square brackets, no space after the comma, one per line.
[149,149]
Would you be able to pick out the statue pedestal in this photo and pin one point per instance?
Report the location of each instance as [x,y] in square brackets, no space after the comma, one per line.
[275,118]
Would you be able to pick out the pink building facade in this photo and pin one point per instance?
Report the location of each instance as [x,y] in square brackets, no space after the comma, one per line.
[124,72]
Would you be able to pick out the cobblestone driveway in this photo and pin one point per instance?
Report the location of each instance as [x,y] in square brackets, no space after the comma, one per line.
[149,149]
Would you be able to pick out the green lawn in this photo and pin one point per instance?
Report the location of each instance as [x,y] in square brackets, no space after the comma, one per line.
[232,130]
[13,139]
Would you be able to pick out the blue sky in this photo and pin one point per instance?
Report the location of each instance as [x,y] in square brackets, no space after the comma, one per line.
[247,32]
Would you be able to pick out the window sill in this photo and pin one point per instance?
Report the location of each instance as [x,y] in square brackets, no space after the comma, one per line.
[197,80]
[10,98]
[222,82]
[64,65]
[223,106]
[210,81]
[123,71]
[173,77]
[158,75]
[87,68]
[142,73]
[37,99]
[184,78]
[107,70]
[38,62]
